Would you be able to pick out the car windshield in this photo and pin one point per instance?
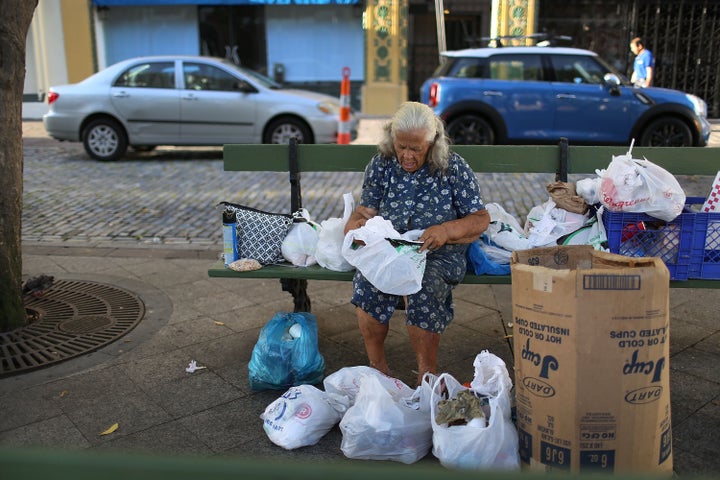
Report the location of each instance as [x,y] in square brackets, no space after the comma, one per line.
[266,82]
[612,69]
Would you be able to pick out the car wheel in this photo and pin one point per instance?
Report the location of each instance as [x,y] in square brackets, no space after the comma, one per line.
[471,130]
[104,139]
[667,132]
[282,129]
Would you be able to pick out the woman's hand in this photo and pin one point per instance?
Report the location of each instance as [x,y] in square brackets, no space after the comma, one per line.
[434,237]
[359,218]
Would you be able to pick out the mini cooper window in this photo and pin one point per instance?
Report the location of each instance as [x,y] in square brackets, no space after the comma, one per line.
[578,69]
[515,67]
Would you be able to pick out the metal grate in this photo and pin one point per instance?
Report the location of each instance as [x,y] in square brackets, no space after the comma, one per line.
[73,318]
[683,36]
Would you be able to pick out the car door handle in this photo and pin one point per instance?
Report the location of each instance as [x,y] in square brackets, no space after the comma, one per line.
[565,96]
[492,93]
[189,97]
[122,94]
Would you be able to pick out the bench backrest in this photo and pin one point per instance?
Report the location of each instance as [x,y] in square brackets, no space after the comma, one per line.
[482,158]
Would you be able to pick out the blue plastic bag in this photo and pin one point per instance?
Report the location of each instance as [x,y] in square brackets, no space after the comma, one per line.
[286,353]
[479,263]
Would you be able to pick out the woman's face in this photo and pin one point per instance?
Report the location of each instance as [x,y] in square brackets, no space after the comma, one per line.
[411,149]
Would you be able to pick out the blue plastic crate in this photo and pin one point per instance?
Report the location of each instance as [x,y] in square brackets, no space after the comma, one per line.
[705,255]
[640,235]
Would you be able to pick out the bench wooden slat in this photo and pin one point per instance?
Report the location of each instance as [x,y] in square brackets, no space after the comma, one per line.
[316,272]
[482,158]
[313,272]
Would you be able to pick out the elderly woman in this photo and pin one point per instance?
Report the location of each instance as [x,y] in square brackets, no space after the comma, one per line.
[417,182]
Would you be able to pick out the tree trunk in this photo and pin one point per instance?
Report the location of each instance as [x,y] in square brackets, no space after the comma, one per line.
[14,23]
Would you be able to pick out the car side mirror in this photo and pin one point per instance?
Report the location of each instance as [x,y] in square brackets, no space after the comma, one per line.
[613,83]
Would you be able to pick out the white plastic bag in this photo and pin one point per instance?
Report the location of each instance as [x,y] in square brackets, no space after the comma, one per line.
[589,189]
[302,416]
[393,267]
[493,446]
[300,244]
[592,233]
[631,185]
[381,425]
[504,230]
[553,224]
[346,382]
[330,239]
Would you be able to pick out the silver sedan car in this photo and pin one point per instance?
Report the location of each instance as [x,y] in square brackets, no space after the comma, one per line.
[185,100]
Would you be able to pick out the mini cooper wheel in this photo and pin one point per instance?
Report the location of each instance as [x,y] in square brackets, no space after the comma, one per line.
[471,130]
[667,132]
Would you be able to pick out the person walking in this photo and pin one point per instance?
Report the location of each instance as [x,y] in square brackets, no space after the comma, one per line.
[644,65]
[417,182]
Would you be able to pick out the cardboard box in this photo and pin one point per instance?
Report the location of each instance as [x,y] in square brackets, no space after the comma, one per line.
[592,375]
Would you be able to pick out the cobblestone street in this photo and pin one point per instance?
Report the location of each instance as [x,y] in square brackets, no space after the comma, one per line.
[170,196]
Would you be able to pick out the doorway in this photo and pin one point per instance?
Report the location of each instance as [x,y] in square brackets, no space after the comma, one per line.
[236,33]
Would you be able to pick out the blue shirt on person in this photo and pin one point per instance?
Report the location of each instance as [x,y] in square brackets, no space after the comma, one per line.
[644,60]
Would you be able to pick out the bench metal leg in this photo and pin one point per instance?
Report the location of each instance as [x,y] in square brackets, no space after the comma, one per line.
[298,289]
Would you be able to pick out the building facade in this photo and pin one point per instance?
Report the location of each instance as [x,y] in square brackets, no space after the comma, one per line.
[390,46]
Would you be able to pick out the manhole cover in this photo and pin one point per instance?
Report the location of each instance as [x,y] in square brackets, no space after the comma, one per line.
[73,318]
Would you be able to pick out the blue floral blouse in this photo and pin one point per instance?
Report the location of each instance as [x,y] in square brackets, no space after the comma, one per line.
[419,200]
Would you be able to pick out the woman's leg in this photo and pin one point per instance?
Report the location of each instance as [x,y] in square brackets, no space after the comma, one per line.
[426,345]
[374,334]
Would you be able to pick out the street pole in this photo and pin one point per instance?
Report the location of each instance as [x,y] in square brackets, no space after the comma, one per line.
[440,24]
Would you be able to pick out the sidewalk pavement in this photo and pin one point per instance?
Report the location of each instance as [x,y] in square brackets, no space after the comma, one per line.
[140,382]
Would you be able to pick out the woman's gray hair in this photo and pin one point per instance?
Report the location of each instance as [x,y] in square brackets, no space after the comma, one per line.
[418,116]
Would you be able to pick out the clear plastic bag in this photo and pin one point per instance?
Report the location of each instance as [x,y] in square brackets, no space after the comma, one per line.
[346,382]
[330,239]
[384,426]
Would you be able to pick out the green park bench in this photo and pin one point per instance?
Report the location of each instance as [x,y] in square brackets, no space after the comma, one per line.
[561,159]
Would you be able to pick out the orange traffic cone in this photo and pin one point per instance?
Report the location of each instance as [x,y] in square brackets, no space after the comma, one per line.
[343,137]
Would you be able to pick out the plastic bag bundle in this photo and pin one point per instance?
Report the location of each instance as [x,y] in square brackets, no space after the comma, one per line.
[346,382]
[546,223]
[504,230]
[382,425]
[490,445]
[328,253]
[302,416]
[486,258]
[286,353]
[300,244]
[631,185]
[389,260]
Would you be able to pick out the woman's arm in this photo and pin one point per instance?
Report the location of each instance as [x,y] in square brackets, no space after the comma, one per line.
[359,217]
[463,230]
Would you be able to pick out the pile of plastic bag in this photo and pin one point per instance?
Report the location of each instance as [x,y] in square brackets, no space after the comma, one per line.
[572,215]
[381,418]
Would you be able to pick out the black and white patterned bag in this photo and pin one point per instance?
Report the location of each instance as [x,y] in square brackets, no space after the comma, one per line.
[259,234]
